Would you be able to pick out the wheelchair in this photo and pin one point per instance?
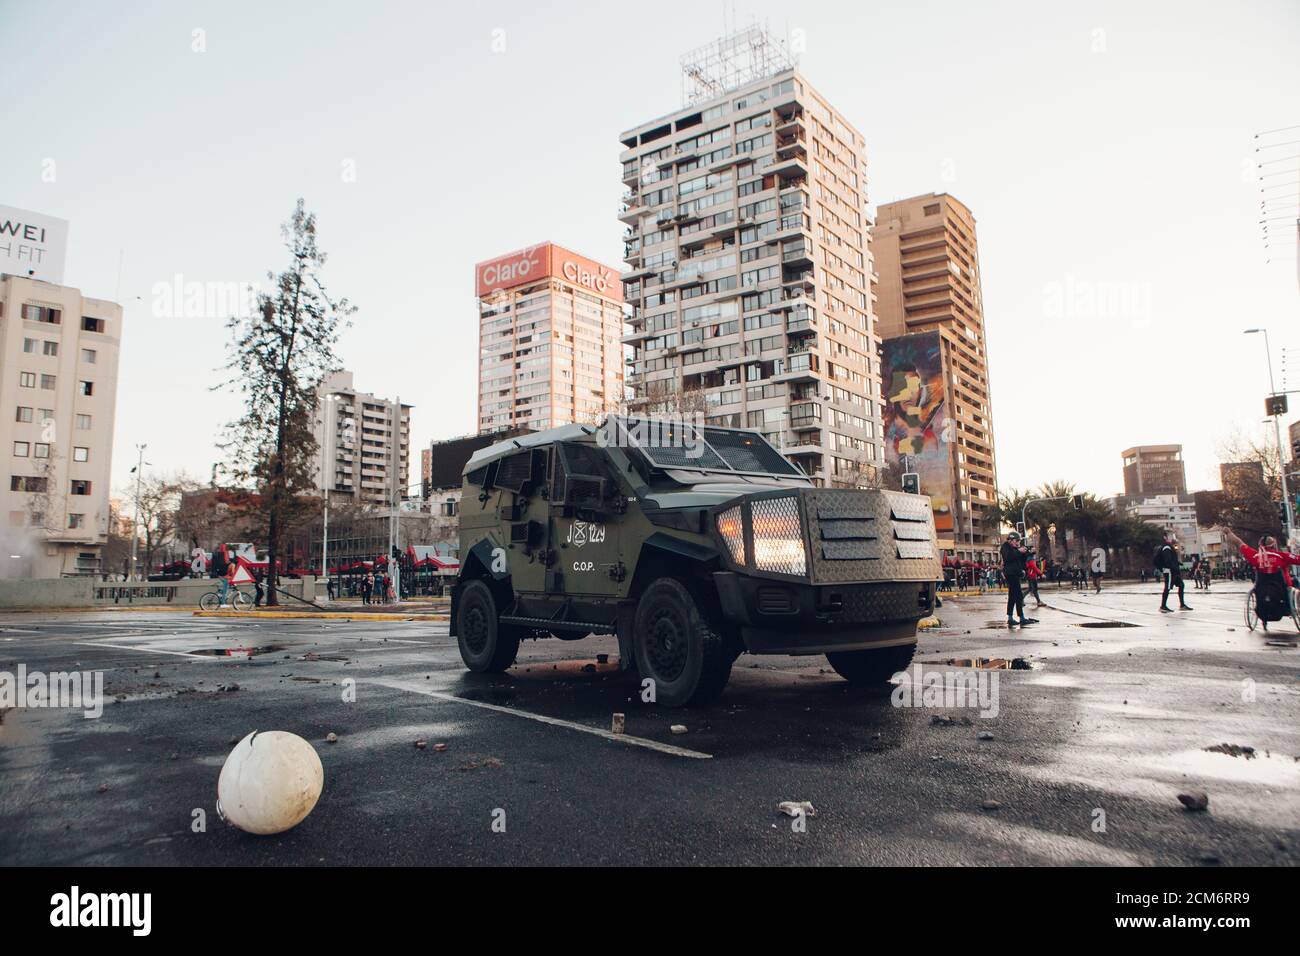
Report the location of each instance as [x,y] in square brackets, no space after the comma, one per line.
[1289,598]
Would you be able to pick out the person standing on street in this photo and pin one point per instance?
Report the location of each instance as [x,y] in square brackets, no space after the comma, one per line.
[1034,572]
[367,585]
[1171,570]
[1014,554]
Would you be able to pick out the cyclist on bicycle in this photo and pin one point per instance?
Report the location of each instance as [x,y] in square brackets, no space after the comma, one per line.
[1272,576]
[228,582]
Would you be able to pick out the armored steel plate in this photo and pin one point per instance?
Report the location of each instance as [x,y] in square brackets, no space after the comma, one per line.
[915,549]
[911,531]
[909,509]
[832,530]
[851,550]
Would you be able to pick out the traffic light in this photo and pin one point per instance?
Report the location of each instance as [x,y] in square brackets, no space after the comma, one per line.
[1295,449]
[912,483]
[1077,501]
[1281,513]
[1275,405]
[1020,526]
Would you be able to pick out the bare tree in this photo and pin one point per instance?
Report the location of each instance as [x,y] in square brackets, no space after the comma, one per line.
[278,358]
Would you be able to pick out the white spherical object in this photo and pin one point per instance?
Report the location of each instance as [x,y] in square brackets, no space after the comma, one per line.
[270,782]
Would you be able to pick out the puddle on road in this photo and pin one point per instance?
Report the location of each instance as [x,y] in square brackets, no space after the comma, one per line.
[990,663]
[238,651]
[1107,624]
[1267,769]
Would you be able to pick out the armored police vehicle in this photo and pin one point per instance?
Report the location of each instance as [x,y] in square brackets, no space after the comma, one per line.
[692,544]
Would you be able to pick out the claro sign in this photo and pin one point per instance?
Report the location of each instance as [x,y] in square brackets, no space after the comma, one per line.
[543,261]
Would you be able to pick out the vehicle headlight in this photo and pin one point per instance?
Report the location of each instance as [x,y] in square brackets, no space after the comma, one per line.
[778,539]
[733,533]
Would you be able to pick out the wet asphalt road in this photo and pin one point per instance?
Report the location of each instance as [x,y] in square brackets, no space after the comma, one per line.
[1108,726]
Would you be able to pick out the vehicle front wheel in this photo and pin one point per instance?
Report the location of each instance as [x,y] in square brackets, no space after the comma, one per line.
[485,646]
[872,668]
[675,646]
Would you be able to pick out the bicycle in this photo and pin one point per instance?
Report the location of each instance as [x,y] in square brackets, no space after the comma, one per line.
[211,600]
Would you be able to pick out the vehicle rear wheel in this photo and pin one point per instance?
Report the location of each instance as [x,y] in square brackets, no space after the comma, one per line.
[872,667]
[485,646]
[674,645]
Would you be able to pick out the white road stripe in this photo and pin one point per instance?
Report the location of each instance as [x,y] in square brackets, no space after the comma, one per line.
[147,650]
[553,721]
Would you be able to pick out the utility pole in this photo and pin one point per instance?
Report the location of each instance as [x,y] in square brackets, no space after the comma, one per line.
[395,570]
[135,523]
[326,484]
[1277,432]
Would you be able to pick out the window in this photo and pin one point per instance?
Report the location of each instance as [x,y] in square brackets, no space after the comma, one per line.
[42,313]
[85,388]
[76,521]
[80,454]
[49,381]
[83,422]
[44,413]
[51,348]
[29,345]
[93,325]
[88,356]
[80,487]
[22,449]
[26,483]
[41,450]
[24,414]
[27,379]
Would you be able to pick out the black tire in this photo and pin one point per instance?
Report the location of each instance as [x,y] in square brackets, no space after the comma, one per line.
[675,646]
[485,646]
[872,668]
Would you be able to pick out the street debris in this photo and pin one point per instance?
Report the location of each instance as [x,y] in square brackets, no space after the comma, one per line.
[990,805]
[984,735]
[486,763]
[421,744]
[678,728]
[1195,801]
[103,788]
[269,783]
[440,748]
[794,808]
[1232,750]
[944,720]
[617,723]
[331,738]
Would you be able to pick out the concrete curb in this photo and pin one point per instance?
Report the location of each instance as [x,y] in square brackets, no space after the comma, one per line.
[323,615]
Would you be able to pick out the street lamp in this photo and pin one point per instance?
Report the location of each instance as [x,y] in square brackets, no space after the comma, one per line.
[326,484]
[138,471]
[1277,431]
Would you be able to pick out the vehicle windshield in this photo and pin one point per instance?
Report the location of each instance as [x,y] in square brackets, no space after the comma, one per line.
[677,445]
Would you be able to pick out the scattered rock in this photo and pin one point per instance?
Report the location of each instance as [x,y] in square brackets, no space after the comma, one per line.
[1195,801]
[421,744]
[944,720]
[331,738]
[103,788]
[440,748]
[793,808]
[678,728]
[984,735]
[990,805]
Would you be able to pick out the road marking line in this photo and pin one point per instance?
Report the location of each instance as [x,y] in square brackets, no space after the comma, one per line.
[553,721]
[147,650]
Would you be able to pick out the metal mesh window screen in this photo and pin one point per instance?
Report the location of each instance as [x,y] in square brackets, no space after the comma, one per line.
[733,533]
[778,539]
[746,451]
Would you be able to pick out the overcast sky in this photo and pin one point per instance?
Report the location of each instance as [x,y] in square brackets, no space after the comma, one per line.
[1106,150]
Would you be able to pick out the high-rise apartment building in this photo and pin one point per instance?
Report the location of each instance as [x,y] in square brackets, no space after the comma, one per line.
[930,310]
[1154,470]
[364,443]
[58,386]
[550,339]
[749,273]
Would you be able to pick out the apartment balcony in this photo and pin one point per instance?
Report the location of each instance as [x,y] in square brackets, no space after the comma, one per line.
[797,254]
[789,165]
[630,212]
[791,146]
[791,124]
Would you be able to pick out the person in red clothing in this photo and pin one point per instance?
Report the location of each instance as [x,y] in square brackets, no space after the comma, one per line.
[1034,571]
[1272,576]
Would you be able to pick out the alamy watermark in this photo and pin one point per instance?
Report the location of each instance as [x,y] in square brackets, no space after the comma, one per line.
[182,299]
[662,431]
[948,690]
[76,690]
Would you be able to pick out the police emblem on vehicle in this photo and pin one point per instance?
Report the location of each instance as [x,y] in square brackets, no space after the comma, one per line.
[585,532]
